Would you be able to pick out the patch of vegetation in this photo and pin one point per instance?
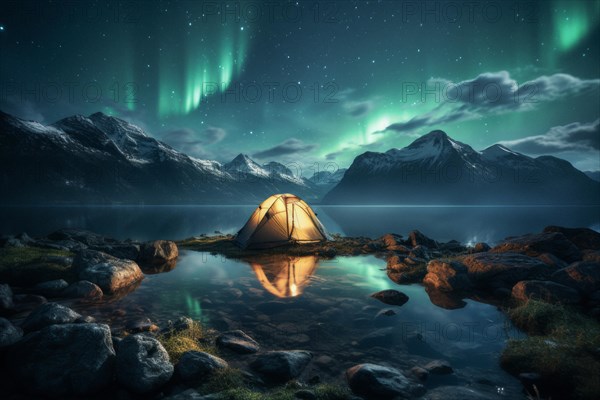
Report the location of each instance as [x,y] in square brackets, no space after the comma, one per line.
[341,246]
[563,349]
[178,342]
[231,385]
[25,266]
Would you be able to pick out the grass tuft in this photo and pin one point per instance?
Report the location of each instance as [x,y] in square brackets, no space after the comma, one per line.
[563,349]
[178,342]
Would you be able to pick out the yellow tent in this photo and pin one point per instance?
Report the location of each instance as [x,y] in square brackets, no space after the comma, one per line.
[285,276]
[281,219]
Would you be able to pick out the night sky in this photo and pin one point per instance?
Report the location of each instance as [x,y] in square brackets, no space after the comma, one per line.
[312,82]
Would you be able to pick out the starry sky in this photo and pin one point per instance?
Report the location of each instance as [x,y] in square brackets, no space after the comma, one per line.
[313,83]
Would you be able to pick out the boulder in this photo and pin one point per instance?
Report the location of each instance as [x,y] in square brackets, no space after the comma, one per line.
[552,261]
[393,242]
[591,255]
[143,364]
[439,367]
[193,366]
[82,236]
[547,291]
[83,289]
[536,244]
[281,366]
[391,297]
[127,251]
[503,269]
[6,297]
[158,252]
[110,273]
[583,276]
[51,288]
[481,247]
[49,314]
[416,238]
[9,334]
[583,238]
[456,393]
[374,381]
[65,360]
[27,302]
[238,342]
[447,276]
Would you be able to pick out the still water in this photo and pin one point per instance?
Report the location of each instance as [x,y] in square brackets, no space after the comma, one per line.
[465,224]
[324,307]
[319,305]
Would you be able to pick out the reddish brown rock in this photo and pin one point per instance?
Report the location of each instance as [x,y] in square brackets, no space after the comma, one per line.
[534,245]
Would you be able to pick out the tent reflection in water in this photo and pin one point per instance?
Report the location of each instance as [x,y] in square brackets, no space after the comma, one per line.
[279,220]
[285,276]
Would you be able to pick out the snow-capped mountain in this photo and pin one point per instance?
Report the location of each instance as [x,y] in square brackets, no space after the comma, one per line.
[102,159]
[328,179]
[436,169]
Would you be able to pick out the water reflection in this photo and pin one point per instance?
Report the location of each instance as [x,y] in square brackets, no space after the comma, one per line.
[284,276]
[159,268]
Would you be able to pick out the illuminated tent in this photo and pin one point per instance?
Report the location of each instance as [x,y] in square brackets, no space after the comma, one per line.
[285,276]
[281,219]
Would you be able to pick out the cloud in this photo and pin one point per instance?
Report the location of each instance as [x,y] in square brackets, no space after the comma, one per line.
[289,146]
[492,93]
[575,136]
[192,142]
[333,155]
[358,108]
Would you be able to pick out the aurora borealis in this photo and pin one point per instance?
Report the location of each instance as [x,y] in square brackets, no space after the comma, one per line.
[313,82]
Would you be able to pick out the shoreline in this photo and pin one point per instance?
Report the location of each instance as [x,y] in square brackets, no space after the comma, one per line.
[521,275]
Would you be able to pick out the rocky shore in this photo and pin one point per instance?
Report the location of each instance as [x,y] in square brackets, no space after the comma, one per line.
[548,283]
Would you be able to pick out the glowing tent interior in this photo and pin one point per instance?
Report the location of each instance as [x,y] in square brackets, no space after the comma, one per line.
[279,220]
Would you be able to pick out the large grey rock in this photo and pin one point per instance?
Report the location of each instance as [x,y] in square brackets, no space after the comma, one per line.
[51,288]
[158,252]
[536,244]
[110,273]
[143,364]
[9,334]
[128,251]
[237,341]
[456,393]
[65,360]
[193,366]
[49,314]
[374,381]
[391,297]
[503,269]
[447,276]
[83,289]
[583,238]
[583,276]
[416,238]
[6,297]
[547,291]
[281,366]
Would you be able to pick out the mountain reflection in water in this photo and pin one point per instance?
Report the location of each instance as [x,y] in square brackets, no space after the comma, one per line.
[284,276]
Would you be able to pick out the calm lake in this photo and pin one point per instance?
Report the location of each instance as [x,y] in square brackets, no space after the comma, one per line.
[319,305]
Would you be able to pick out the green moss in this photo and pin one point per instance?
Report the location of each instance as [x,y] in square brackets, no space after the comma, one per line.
[178,342]
[562,348]
[231,385]
[24,266]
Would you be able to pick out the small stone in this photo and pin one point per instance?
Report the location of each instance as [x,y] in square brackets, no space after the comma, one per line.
[439,367]
[51,288]
[238,342]
[193,366]
[421,373]
[391,297]
[281,366]
[49,314]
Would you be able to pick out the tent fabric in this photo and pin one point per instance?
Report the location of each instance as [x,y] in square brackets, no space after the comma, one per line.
[281,219]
